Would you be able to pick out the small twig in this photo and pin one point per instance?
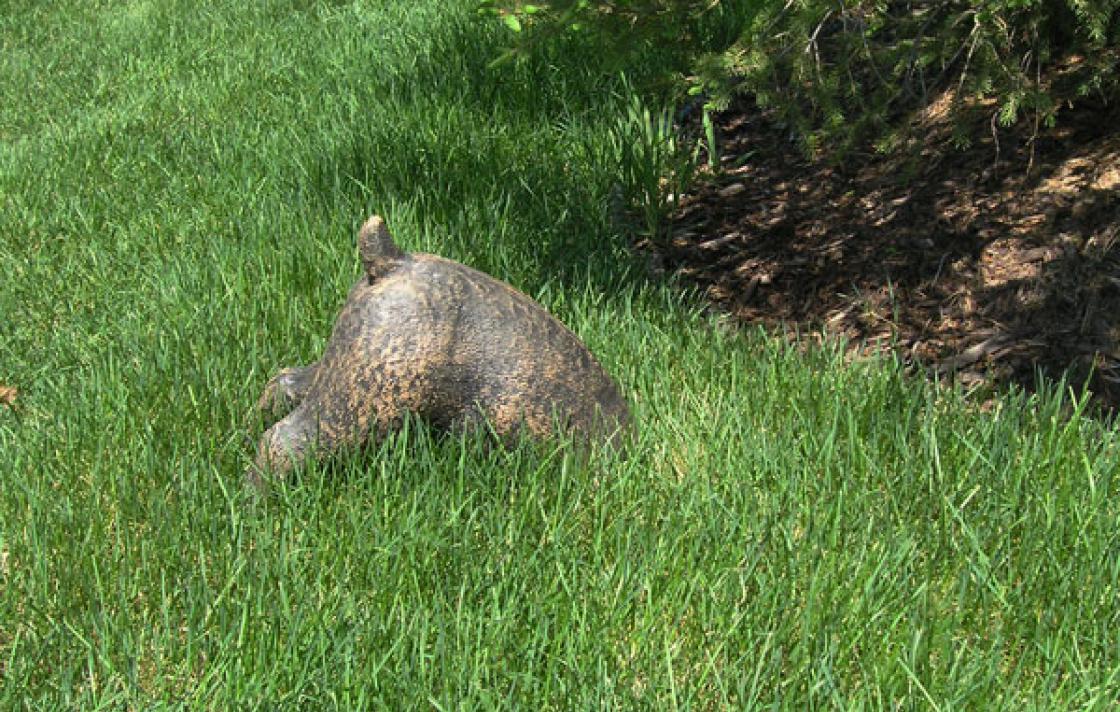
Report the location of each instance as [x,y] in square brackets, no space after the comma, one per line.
[995,137]
[871,61]
[915,64]
[1032,142]
[974,35]
[812,43]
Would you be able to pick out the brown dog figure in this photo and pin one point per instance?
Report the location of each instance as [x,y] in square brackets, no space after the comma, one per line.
[423,335]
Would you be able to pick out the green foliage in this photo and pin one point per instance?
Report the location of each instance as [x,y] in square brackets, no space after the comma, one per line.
[856,69]
[655,164]
[690,37]
[843,70]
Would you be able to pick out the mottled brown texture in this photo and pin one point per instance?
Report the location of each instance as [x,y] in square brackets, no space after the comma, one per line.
[994,266]
[424,335]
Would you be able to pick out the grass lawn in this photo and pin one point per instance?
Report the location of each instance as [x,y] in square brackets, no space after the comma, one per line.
[180,184]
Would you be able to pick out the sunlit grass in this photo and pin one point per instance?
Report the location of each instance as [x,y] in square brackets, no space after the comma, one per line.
[179,188]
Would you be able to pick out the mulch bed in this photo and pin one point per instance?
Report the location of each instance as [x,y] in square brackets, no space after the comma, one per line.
[962,261]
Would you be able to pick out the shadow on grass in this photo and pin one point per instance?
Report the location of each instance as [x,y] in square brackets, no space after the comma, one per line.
[506,168]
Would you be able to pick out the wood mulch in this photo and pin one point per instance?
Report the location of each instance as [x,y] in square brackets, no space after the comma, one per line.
[962,261]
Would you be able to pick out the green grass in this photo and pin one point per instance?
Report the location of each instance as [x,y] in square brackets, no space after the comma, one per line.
[179,188]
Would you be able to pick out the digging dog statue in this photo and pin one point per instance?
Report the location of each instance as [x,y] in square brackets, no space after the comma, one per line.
[422,335]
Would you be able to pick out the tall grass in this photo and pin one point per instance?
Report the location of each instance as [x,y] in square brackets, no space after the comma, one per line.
[179,188]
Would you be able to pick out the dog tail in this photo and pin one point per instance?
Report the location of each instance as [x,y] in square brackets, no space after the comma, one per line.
[380,255]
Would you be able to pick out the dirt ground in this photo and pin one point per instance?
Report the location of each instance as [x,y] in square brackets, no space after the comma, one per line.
[963,261]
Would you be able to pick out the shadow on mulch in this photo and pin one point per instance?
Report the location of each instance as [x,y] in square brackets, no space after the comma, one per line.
[957,259]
